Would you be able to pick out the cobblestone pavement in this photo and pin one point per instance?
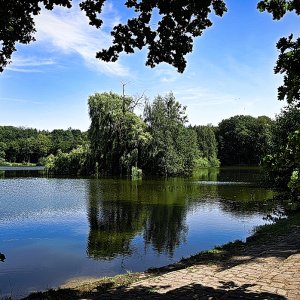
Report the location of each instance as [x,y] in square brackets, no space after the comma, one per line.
[270,271]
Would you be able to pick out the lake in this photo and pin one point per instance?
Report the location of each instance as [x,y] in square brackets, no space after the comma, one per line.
[57,229]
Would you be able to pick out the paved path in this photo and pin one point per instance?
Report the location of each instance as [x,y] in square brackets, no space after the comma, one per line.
[270,271]
[254,271]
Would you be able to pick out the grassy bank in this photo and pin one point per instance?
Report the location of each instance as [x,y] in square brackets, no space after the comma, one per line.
[219,255]
[263,234]
[10,164]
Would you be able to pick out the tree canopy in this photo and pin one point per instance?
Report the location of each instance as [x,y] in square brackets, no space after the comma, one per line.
[288,62]
[17,23]
[279,8]
[19,144]
[169,40]
[244,140]
[283,160]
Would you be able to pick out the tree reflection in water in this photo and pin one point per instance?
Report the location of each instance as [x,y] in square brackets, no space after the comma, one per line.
[119,210]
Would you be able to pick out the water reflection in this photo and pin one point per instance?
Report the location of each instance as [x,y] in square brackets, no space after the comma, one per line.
[120,210]
[206,174]
[70,228]
[13,172]
[113,221]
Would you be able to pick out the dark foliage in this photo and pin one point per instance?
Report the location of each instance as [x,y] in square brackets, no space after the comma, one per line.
[18,144]
[244,140]
[168,41]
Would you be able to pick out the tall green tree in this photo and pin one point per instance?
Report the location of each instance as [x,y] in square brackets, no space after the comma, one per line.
[116,133]
[243,140]
[12,152]
[283,167]
[286,123]
[42,146]
[207,143]
[26,149]
[2,151]
[173,147]
[283,161]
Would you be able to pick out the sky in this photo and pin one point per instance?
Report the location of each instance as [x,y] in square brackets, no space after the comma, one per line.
[229,72]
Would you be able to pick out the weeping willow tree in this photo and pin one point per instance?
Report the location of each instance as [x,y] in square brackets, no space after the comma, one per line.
[116,133]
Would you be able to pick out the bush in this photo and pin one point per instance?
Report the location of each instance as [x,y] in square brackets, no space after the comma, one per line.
[283,166]
[294,183]
[136,173]
[73,163]
[203,162]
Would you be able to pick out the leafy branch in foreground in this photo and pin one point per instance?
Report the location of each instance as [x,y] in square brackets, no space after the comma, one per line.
[168,35]
[17,24]
[288,62]
[279,8]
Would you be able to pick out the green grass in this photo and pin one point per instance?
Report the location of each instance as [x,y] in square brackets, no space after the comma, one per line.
[281,227]
[88,290]
[261,235]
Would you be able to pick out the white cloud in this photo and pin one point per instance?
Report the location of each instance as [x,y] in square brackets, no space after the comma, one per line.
[67,31]
[18,100]
[203,97]
[28,65]
[166,73]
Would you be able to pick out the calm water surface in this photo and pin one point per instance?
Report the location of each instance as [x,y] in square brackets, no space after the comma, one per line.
[53,229]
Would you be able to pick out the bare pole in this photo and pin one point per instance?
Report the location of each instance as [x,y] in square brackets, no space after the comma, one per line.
[123,95]
[135,101]
[123,87]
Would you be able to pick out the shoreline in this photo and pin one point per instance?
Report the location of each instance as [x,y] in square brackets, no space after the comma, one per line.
[266,239]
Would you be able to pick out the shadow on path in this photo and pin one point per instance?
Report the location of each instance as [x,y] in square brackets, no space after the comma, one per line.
[228,290]
[239,254]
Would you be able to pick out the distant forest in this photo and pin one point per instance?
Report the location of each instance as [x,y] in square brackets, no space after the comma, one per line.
[28,145]
[159,143]
[119,142]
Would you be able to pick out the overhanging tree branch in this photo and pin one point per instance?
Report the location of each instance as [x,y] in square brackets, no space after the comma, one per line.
[168,41]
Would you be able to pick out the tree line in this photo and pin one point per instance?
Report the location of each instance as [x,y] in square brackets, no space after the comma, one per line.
[122,143]
[119,142]
[28,145]
[159,142]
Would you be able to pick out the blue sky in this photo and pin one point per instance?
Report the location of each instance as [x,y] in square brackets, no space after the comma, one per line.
[230,71]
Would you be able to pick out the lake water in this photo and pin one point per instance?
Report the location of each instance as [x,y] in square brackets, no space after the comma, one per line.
[56,229]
